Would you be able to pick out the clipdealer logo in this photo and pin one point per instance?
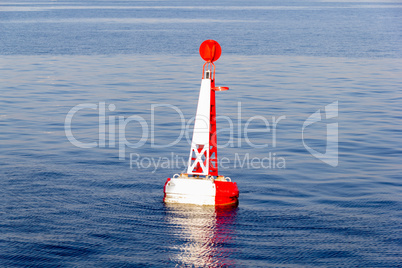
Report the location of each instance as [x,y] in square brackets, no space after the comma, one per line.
[330,156]
[112,133]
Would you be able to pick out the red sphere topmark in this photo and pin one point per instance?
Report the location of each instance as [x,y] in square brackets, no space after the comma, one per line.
[210,50]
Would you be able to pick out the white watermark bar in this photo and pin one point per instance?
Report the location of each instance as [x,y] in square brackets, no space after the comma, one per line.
[242,161]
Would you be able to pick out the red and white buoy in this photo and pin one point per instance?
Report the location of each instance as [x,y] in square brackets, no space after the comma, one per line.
[202,185]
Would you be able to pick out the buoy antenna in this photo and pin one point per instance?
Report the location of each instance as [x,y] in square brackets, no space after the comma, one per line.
[209,71]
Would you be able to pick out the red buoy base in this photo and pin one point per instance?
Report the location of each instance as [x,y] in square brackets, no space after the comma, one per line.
[201,190]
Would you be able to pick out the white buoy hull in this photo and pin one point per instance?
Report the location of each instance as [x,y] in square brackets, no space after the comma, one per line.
[190,191]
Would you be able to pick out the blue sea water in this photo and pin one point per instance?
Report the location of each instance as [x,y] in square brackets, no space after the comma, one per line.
[68,206]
